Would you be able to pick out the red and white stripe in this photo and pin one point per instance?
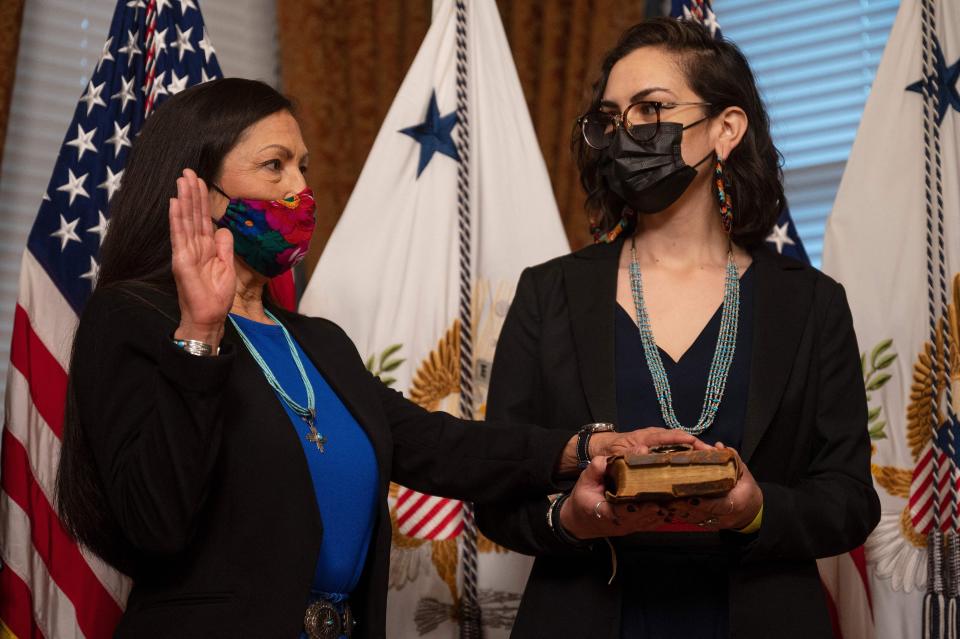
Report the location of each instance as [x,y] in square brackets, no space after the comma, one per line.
[847,587]
[428,517]
[52,587]
[921,492]
[150,68]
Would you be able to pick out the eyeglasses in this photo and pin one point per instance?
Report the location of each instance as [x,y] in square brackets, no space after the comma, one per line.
[598,127]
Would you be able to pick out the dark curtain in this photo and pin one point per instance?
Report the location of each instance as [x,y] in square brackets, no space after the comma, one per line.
[360,50]
[11,17]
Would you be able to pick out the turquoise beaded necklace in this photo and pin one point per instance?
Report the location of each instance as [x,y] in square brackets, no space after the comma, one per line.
[722,356]
[307,413]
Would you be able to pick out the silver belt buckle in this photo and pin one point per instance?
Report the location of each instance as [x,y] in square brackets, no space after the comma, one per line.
[323,621]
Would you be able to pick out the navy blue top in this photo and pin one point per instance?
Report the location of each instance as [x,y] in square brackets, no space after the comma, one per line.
[675,584]
[344,477]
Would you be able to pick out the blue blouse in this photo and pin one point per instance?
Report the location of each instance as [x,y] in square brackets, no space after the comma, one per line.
[345,476]
[675,583]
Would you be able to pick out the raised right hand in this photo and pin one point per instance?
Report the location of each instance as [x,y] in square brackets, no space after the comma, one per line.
[203,266]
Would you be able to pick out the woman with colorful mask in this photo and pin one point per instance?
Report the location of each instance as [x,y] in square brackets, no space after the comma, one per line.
[680,317]
[233,458]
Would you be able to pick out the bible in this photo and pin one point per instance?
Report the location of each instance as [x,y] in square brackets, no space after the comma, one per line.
[671,472]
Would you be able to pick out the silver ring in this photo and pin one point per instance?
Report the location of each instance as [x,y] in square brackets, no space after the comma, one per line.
[596,509]
[708,522]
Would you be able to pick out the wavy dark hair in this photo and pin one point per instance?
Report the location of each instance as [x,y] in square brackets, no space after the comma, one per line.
[718,73]
[193,129]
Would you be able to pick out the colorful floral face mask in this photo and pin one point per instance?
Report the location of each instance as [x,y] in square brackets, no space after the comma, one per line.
[271,236]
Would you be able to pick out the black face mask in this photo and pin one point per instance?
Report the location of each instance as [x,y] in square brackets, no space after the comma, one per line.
[650,175]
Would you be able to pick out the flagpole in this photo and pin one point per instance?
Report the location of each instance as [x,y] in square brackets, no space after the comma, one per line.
[470,625]
[939,616]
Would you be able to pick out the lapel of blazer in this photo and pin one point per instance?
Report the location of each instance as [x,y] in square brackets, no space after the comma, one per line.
[590,277]
[347,378]
[781,305]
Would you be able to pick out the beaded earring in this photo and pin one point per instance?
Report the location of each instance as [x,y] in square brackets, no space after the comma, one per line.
[726,204]
[601,237]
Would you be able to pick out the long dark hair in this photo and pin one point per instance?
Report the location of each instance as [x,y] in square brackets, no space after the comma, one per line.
[193,129]
[718,72]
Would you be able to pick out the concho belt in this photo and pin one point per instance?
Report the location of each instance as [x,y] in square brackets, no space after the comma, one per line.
[323,620]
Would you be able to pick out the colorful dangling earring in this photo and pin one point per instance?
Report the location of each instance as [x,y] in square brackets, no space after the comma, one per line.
[726,204]
[601,237]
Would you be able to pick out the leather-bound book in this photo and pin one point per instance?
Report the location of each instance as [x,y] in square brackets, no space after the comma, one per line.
[671,472]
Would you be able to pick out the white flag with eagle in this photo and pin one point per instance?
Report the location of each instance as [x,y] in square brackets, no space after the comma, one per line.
[893,240]
[453,202]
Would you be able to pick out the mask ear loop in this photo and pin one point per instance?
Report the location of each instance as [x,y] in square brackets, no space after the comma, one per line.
[703,119]
[220,191]
[707,156]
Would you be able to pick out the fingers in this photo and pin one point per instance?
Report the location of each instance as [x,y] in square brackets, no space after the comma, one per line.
[700,445]
[192,200]
[185,198]
[650,437]
[176,226]
[207,221]
[640,441]
[661,437]
[194,205]
[193,182]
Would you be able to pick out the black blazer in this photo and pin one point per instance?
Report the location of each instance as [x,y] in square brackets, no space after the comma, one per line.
[805,440]
[219,525]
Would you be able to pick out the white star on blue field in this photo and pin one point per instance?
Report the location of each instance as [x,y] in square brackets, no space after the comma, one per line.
[434,134]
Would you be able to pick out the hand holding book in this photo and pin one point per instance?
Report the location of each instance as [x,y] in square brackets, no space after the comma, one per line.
[735,510]
[589,514]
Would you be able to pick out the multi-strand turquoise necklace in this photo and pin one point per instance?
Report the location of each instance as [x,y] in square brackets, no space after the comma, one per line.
[307,413]
[722,356]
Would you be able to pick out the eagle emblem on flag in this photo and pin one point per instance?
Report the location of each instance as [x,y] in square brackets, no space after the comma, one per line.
[898,547]
[425,527]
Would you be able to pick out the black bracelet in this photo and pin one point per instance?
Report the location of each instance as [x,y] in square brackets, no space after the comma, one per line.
[583,449]
[553,520]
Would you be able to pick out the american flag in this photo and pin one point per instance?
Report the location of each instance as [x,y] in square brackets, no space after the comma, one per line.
[783,237]
[49,586]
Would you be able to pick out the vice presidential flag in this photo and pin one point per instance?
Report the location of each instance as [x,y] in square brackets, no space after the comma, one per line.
[893,240]
[453,202]
[49,586]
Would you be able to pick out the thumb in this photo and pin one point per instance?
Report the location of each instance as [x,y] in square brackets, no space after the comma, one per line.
[594,472]
[224,242]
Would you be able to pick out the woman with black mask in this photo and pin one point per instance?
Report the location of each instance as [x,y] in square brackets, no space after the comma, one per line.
[229,456]
[680,317]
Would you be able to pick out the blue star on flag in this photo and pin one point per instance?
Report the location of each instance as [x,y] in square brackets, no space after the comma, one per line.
[434,134]
[942,81]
